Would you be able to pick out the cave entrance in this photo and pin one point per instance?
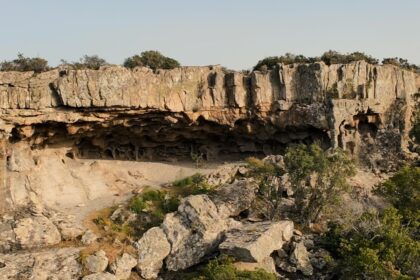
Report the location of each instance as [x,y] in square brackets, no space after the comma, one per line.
[171,138]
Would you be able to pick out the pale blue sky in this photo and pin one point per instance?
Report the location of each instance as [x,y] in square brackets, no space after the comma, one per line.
[234,33]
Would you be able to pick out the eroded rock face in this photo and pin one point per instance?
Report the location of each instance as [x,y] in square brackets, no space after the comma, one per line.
[116,113]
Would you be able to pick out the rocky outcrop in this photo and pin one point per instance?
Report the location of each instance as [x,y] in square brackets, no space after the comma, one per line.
[122,266]
[59,263]
[117,113]
[255,242]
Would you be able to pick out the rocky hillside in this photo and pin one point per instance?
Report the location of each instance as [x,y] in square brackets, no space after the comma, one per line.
[78,201]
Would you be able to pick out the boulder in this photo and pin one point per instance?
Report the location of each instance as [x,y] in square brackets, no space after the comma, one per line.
[194,231]
[153,248]
[232,199]
[97,262]
[62,264]
[36,232]
[100,276]
[255,241]
[300,257]
[122,266]
[88,237]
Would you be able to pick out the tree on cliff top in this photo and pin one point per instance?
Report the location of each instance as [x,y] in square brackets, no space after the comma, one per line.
[153,59]
[22,63]
[329,57]
[93,62]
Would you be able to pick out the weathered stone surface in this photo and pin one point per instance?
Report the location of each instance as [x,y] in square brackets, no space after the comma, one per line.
[61,264]
[36,232]
[194,231]
[254,242]
[100,276]
[153,248]
[140,114]
[88,237]
[97,262]
[122,267]
[300,257]
[232,199]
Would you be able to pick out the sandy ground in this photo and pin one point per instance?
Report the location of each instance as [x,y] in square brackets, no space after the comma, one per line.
[80,186]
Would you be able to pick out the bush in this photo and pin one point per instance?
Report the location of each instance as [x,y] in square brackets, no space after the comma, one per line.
[93,62]
[334,57]
[403,191]
[195,184]
[377,247]
[382,245]
[22,64]
[152,59]
[329,170]
[329,57]
[401,62]
[222,268]
[288,58]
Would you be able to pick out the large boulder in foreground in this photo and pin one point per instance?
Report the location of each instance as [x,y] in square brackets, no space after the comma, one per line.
[254,242]
[153,248]
[194,231]
[61,263]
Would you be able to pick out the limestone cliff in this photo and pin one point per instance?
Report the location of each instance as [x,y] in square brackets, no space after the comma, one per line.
[116,113]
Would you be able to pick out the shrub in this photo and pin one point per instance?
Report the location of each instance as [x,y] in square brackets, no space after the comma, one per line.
[329,57]
[223,268]
[195,184]
[334,57]
[288,58]
[22,64]
[401,62]
[377,247]
[403,191]
[329,170]
[93,62]
[382,245]
[152,59]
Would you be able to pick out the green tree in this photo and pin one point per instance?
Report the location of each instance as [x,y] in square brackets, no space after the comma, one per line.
[318,178]
[403,191]
[93,62]
[22,64]
[378,246]
[153,59]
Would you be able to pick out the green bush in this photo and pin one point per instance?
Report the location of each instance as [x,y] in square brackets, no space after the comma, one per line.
[401,62]
[382,245]
[403,191]
[93,62]
[377,247]
[329,57]
[223,268]
[195,184]
[288,58]
[22,64]
[329,169]
[334,57]
[152,59]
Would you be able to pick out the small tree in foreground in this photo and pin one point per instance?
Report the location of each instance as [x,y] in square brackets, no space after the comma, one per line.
[22,64]
[153,59]
[318,178]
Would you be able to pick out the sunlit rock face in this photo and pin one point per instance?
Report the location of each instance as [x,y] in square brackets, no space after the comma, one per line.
[117,113]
